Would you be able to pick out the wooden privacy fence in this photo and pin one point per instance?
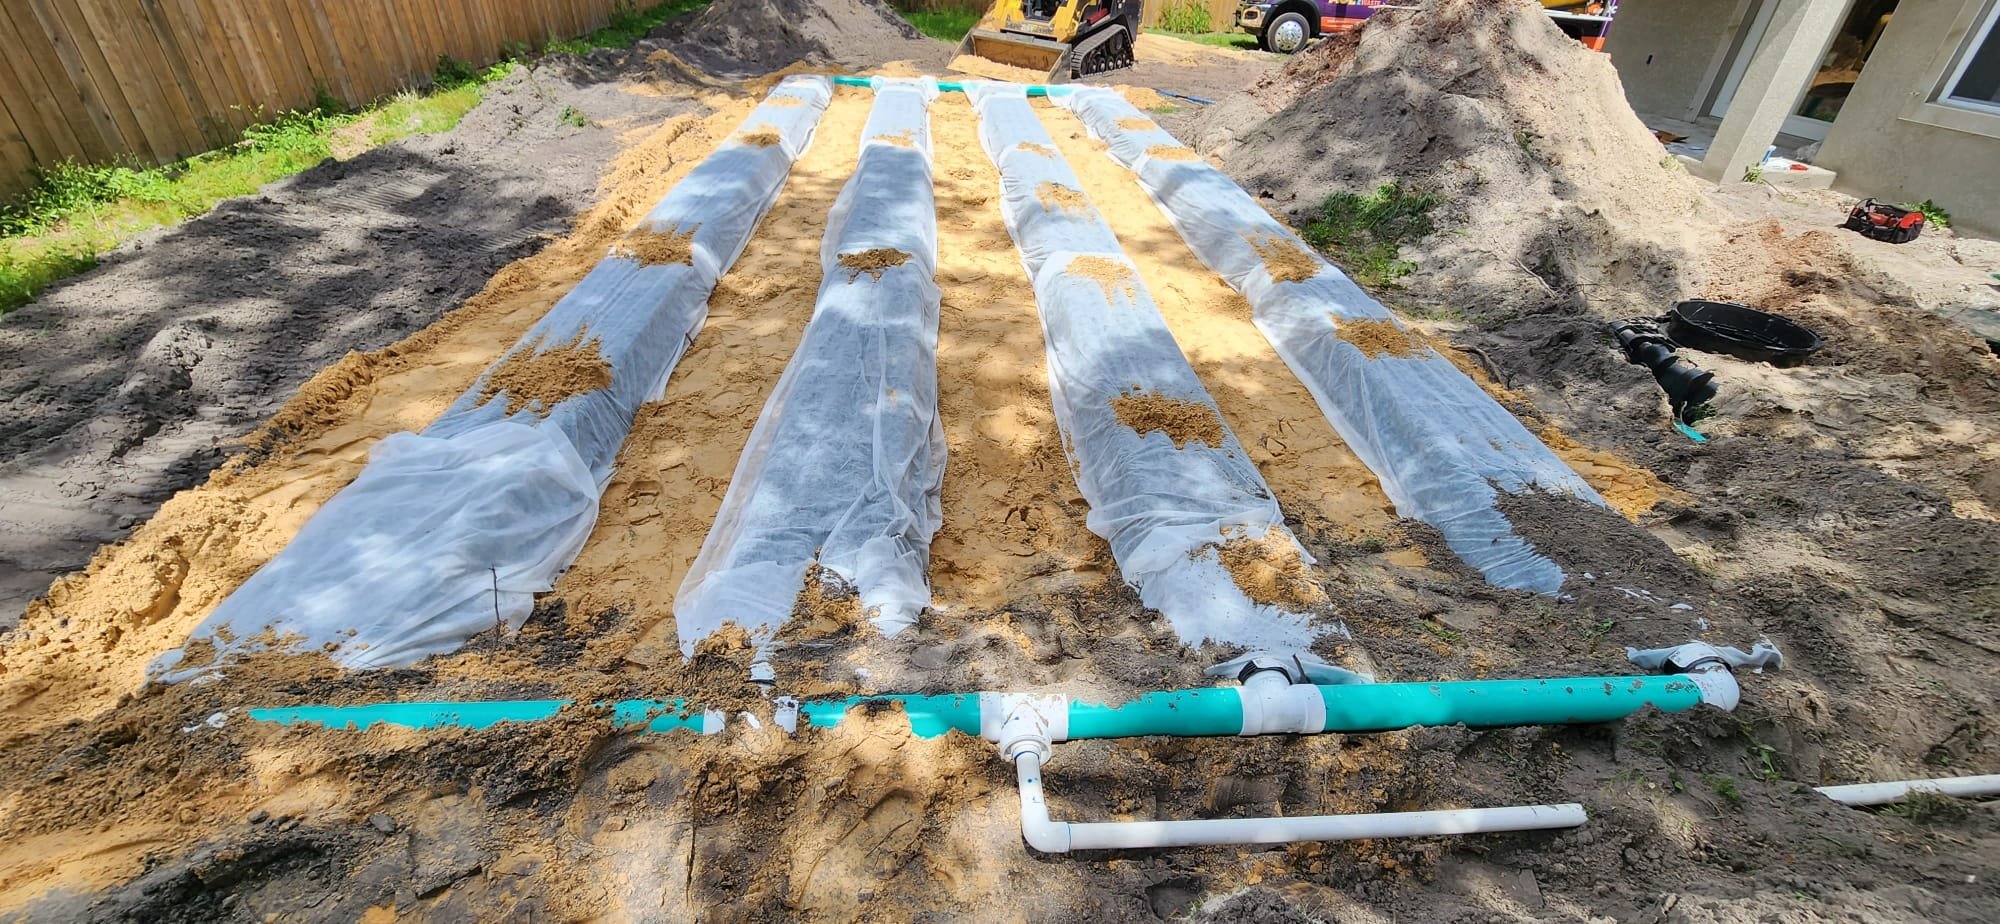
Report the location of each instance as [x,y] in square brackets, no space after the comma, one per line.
[157,80]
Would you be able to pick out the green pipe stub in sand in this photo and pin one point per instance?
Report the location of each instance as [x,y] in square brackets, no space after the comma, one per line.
[1366,707]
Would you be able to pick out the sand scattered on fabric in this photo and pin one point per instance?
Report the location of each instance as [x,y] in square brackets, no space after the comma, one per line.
[1033,148]
[1379,337]
[872,261]
[1172,152]
[659,248]
[549,377]
[1269,571]
[907,138]
[1109,274]
[1183,421]
[784,100]
[1285,260]
[762,137]
[1138,125]
[1056,196]
[826,606]
[1313,473]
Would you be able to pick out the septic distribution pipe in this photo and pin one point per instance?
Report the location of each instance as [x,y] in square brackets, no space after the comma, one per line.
[1276,696]
[1295,708]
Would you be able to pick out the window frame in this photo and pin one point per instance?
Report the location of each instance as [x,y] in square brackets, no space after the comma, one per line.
[1987,30]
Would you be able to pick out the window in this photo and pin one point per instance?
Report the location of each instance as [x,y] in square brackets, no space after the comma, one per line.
[1976,82]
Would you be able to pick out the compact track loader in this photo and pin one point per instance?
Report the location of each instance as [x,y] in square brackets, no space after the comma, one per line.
[1061,38]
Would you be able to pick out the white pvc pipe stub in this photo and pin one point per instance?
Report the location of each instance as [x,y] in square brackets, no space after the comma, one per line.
[1882,793]
[1049,836]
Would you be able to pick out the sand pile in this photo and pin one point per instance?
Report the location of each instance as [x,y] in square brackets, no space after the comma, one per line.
[743,38]
[1556,194]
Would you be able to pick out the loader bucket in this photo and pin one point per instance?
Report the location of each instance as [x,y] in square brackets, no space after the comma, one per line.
[1049,58]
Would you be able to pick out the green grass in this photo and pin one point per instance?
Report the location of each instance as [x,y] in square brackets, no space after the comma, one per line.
[1243,40]
[77,211]
[1366,234]
[944,25]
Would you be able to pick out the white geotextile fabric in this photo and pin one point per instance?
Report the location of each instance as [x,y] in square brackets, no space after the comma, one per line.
[1163,509]
[447,534]
[846,462]
[1441,446]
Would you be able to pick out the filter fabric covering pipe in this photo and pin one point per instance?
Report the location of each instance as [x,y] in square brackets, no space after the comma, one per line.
[1167,492]
[448,533]
[1443,449]
[846,463]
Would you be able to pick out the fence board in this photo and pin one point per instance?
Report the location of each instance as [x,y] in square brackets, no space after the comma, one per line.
[16,159]
[203,90]
[138,66]
[46,131]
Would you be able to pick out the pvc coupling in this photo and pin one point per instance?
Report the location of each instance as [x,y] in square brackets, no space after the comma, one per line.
[1709,667]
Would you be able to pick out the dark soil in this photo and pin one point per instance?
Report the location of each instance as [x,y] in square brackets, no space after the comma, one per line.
[133,381]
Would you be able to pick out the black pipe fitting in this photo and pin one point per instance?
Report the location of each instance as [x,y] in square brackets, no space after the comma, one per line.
[1688,387]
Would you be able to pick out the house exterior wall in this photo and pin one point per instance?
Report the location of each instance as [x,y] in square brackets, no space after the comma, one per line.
[1668,52]
[1891,143]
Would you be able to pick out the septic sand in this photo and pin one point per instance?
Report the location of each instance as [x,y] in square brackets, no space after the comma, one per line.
[1832,523]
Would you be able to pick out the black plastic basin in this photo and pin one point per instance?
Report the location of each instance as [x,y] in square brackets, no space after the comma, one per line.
[1740,331]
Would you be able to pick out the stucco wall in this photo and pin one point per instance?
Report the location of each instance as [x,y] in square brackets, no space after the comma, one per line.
[1878,149]
[1666,51]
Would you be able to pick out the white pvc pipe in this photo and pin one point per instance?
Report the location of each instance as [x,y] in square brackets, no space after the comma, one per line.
[1880,793]
[1050,836]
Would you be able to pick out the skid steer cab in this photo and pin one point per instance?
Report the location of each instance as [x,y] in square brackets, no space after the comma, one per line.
[1063,39]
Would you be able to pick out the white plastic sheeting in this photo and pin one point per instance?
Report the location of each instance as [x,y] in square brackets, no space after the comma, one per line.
[1442,448]
[845,464]
[451,533]
[1162,508]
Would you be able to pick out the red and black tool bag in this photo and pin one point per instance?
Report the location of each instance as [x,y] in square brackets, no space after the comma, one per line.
[1885,222]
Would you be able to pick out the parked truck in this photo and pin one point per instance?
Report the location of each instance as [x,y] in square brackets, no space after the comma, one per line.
[1286,26]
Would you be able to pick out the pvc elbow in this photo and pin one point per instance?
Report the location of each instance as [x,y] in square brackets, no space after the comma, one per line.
[1718,686]
[1041,833]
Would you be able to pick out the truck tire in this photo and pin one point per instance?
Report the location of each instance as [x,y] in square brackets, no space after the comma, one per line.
[1286,33]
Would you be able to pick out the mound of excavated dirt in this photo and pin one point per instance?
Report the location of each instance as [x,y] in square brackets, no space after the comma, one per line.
[1553,189]
[744,38]
[131,382]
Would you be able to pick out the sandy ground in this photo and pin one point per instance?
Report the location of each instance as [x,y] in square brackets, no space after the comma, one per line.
[1845,509]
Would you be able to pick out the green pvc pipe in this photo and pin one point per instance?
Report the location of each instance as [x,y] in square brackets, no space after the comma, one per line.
[1359,707]
[1372,707]
[1183,713]
[930,716]
[954,86]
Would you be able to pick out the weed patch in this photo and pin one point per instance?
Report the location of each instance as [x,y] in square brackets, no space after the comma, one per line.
[1188,17]
[1366,234]
[1934,214]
